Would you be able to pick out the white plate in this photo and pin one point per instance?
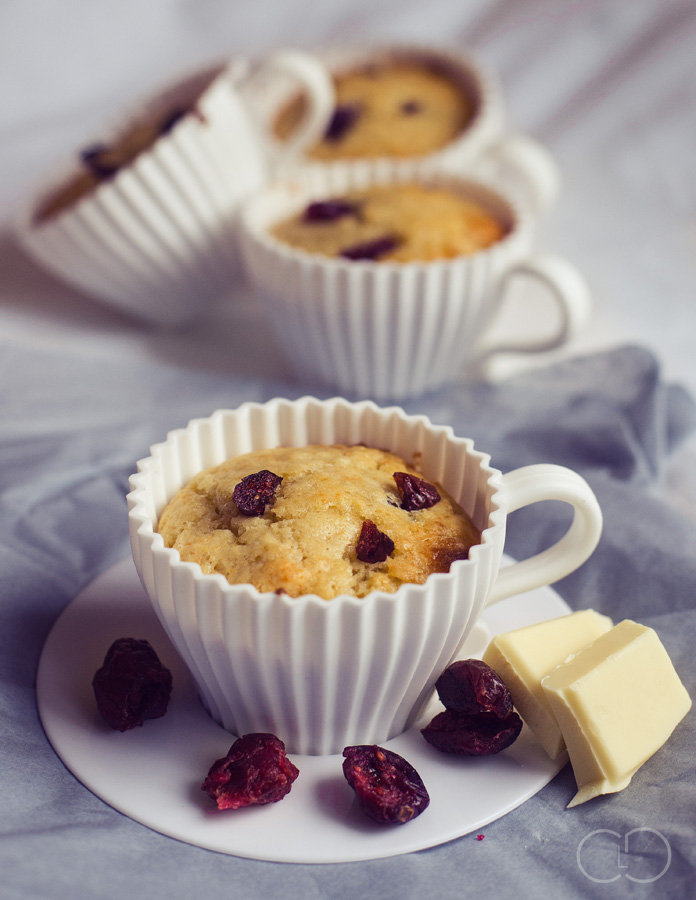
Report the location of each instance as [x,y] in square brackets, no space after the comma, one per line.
[153,774]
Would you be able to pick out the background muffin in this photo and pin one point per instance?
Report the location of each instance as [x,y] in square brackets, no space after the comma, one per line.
[100,162]
[392,107]
[402,222]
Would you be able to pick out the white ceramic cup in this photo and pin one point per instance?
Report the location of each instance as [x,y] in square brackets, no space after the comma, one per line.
[485,148]
[323,674]
[392,330]
[157,239]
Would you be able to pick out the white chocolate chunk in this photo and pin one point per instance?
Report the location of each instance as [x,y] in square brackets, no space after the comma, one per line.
[617,701]
[524,656]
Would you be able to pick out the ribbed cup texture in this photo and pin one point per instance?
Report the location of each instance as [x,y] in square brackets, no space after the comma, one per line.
[157,240]
[320,674]
[381,329]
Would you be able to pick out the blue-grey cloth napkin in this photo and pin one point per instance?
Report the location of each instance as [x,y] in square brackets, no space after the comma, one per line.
[71,431]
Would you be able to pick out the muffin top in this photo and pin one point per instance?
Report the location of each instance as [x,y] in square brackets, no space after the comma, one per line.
[400,222]
[323,520]
[100,162]
[393,108]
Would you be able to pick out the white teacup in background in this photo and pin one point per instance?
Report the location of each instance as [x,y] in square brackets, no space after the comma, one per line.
[323,674]
[156,239]
[485,147]
[393,330]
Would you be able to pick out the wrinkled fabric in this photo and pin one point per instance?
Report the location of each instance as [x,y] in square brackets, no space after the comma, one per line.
[64,477]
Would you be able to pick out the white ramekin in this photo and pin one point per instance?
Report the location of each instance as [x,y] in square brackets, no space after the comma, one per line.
[392,330]
[157,240]
[325,674]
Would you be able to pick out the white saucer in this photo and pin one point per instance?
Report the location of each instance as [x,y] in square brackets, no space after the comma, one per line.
[153,774]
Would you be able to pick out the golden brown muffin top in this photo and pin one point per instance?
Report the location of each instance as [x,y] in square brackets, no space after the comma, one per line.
[392,108]
[399,222]
[307,533]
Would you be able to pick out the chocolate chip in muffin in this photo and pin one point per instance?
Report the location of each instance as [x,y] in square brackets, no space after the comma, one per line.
[373,545]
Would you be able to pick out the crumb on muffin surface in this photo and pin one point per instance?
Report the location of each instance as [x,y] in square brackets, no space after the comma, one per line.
[400,222]
[397,107]
[305,540]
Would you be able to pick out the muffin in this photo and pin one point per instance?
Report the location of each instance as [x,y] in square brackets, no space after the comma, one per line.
[406,303]
[146,222]
[324,520]
[392,107]
[100,162]
[400,222]
[354,670]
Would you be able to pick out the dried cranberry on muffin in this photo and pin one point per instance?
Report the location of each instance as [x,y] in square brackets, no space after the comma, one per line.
[393,107]
[323,520]
[100,162]
[400,222]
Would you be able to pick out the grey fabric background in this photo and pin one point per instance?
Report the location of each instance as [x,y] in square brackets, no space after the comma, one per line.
[609,416]
[609,87]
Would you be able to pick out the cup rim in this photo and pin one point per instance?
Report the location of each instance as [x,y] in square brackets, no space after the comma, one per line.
[303,187]
[196,82]
[146,532]
[487,99]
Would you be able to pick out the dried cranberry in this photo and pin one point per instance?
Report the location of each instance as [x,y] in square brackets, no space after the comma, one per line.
[171,119]
[388,788]
[470,686]
[371,249]
[416,493]
[254,492]
[343,119]
[411,107]
[132,684]
[328,210]
[96,158]
[373,545]
[255,771]
[479,735]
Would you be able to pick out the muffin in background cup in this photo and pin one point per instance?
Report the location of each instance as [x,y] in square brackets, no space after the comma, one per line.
[384,328]
[410,107]
[325,674]
[143,219]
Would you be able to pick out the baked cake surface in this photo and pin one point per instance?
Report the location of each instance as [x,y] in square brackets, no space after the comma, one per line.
[309,537]
[400,222]
[393,108]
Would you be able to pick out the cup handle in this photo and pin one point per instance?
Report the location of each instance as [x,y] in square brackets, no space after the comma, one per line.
[545,481]
[315,79]
[530,163]
[567,289]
